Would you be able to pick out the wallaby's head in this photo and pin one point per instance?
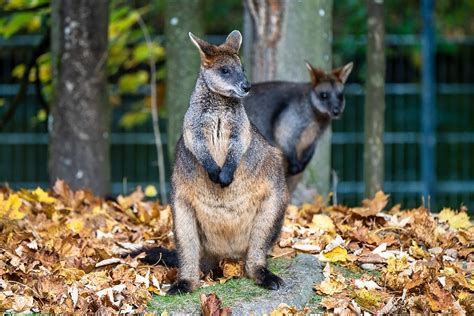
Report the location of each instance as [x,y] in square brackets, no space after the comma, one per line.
[221,68]
[327,89]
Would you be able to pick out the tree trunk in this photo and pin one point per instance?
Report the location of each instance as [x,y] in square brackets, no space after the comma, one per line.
[374,100]
[80,115]
[285,34]
[182,61]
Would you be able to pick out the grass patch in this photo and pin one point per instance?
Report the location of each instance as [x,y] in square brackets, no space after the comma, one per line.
[314,304]
[231,292]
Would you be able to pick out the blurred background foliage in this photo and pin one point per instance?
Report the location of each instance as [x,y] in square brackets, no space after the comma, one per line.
[133,156]
[128,52]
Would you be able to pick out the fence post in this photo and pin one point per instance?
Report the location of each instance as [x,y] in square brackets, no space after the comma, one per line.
[428,107]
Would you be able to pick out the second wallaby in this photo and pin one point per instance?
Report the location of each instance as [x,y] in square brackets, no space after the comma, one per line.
[228,186]
[293,116]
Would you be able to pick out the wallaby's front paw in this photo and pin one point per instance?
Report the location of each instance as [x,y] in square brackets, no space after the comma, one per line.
[268,280]
[214,175]
[180,287]
[295,168]
[225,178]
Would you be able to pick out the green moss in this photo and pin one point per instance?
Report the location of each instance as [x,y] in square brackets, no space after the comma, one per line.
[235,290]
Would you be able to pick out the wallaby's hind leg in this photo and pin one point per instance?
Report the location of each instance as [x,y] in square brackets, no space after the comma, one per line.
[265,231]
[188,246]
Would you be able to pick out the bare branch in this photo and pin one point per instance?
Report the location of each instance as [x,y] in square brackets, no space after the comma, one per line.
[154,113]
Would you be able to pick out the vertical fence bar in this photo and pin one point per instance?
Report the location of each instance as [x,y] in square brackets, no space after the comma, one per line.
[428,107]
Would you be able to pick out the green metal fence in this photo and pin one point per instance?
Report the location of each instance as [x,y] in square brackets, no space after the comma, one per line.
[23,145]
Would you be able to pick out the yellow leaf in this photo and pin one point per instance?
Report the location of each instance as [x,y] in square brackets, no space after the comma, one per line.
[338,254]
[395,265]
[150,191]
[43,197]
[417,252]
[331,286]
[323,222]
[367,298]
[459,220]
[11,207]
[76,225]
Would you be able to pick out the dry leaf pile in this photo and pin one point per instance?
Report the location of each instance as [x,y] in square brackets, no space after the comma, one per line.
[60,252]
[405,261]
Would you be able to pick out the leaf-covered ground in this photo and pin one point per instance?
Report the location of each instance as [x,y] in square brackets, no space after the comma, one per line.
[60,252]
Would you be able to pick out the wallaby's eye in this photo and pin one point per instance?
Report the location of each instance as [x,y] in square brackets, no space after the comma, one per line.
[323,95]
[225,70]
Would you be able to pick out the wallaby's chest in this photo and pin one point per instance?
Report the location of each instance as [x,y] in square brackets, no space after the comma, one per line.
[217,133]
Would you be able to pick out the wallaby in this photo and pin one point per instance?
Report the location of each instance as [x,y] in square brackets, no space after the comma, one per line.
[228,184]
[293,116]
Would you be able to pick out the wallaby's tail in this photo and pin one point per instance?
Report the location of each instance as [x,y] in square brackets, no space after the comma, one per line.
[158,255]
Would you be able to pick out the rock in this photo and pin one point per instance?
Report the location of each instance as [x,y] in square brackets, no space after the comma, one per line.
[299,275]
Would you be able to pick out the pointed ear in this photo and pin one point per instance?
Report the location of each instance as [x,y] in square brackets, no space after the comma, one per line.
[343,72]
[234,40]
[204,47]
[315,73]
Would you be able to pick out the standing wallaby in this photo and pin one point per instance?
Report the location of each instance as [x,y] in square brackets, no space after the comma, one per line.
[228,185]
[293,116]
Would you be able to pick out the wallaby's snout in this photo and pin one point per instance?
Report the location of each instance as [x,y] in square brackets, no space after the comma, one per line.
[336,111]
[245,86]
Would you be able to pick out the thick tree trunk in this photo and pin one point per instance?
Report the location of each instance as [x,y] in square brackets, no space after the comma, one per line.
[80,115]
[285,34]
[182,61]
[374,100]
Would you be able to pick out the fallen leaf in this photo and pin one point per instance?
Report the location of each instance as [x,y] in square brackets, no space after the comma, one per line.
[323,222]
[372,207]
[459,220]
[10,207]
[211,306]
[337,254]
[232,268]
[42,196]
[331,285]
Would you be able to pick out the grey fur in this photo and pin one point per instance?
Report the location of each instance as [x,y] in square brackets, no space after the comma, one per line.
[228,189]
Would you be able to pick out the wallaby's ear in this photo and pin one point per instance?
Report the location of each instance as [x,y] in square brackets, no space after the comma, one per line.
[204,47]
[234,40]
[315,73]
[343,72]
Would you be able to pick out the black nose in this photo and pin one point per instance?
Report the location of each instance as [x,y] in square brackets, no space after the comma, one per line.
[245,86]
[336,111]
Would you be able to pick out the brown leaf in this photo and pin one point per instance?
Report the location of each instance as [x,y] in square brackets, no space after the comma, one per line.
[372,207]
[232,268]
[211,306]
[438,298]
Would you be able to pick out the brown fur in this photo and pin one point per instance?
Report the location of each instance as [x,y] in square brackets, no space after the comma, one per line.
[214,218]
